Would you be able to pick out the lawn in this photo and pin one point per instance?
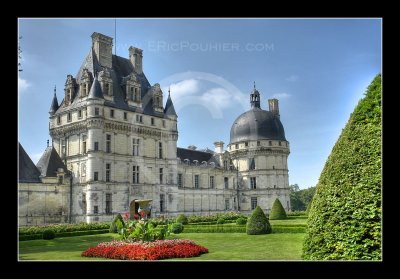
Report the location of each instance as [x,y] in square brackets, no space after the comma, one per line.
[221,246]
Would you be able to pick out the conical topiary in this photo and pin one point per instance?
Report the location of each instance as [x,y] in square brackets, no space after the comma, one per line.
[182,219]
[258,223]
[344,222]
[113,226]
[277,211]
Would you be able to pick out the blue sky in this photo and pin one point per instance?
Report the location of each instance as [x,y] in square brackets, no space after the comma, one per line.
[317,68]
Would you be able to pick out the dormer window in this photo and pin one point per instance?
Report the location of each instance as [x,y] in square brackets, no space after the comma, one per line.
[107,89]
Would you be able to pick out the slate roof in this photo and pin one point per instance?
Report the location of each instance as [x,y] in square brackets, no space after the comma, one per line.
[169,107]
[121,67]
[257,124]
[95,90]
[200,156]
[27,171]
[50,162]
[54,104]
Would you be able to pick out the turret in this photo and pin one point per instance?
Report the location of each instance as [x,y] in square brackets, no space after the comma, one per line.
[54,103]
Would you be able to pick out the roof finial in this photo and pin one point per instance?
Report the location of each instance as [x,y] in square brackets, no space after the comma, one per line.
[47,143]
[254,85]
[55,89]
[169,91]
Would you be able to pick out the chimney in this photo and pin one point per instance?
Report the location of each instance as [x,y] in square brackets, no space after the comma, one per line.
[192,147]
[274,106]
[102,47]
[219,147]
[136,56]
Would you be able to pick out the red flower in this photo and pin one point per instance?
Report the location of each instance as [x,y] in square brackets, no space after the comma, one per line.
[126,216]
[142,213]
[136,216]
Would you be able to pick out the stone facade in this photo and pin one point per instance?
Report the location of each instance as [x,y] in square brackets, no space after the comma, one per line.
[119,142]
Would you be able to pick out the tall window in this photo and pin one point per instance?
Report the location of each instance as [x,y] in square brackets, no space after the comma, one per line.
[162,202]
[258,143]
[270,143]
[246,144]
[139,118]
[96,176]
[108,172]
[152,121]
[84,208]
[253,183]
[179,180]
[69,117]
[131,94]
[280,143]
[253,203]
[252,164]
[96,111]
[107,89]
[80,113]
[135,175]
[84,144]
[108,143]
[212,182]
[135,149]
[160,150]
[196,181]
[63,147]
[60,179]
[225,164]
[236,146]
[95,209]
[108,204]
[226,182]
[58,120]
[125,116]
[161,175]
[112,113]
[227,204]
[96,145]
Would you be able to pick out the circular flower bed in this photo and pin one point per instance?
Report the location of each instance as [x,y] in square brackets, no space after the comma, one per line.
[156,250]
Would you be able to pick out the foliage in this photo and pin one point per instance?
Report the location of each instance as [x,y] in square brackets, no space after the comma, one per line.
[157,250]
[228,217]
[177,228]
[258,223]
[241,221]
[26,237]
[299,199]
[277,211]
[220,221]
[49,234]
[289,229]
[113,226]
[215,229]
[296,214]
[182,219]
[344,221]
[141,229]
[63,228]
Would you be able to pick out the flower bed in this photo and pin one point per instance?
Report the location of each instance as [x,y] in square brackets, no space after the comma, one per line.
[156,250]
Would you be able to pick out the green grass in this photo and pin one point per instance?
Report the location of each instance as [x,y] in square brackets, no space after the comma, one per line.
[63,248]
[294,222]
[226,246]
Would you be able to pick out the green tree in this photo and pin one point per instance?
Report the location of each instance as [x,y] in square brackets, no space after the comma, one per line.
[258,223]
[345,216]
[277,211]
[299,199]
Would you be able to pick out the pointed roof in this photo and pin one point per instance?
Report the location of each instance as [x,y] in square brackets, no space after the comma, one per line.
[95,90]
[169,106]
[50,162]
[27,171]
[54,104]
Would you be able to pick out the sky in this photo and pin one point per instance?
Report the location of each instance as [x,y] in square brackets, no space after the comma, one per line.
[318,69]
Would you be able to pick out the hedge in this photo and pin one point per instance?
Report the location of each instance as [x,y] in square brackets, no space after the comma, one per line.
[277,211]
[62,234]
[344,220]
[63,228]
[214,229]
[289,229]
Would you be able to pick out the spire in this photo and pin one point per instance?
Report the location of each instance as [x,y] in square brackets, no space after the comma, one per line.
[255,98]
[54,103]
[169,106]
[95,90]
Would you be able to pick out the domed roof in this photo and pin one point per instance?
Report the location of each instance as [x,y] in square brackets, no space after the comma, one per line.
[257,124]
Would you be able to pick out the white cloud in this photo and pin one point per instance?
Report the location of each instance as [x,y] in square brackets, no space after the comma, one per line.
[35,157]
[182,88]
[292,78]
[23,84]
[217,97]
[281,96]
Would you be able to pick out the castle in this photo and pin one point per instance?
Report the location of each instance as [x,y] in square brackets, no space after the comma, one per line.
[115,144]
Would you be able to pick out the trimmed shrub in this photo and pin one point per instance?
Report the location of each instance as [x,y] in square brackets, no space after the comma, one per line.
[277,211]
[241,221]
[177,228]
[308,208]
[113,226]
[215,229]
[220,221]
[344,221]
[182,219]
[49,234]
[258,223]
